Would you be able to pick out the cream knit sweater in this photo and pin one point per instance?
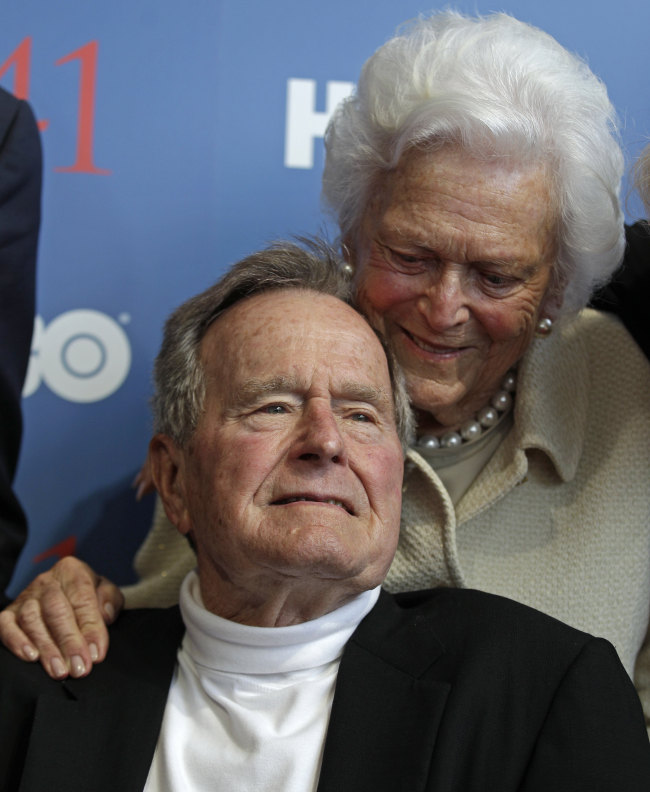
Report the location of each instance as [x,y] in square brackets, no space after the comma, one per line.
[559,518]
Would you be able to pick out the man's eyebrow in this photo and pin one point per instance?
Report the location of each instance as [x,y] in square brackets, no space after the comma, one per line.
[253,388]
[365,393]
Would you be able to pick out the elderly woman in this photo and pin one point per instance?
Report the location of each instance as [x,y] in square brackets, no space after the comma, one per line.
[475,177]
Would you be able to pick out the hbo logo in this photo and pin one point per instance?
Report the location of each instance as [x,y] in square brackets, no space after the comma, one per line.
[82,356]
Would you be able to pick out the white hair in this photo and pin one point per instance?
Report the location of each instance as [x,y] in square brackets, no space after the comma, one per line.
[498,88]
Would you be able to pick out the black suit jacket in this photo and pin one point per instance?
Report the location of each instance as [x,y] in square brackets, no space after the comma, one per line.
[20,209]
[437,691]
[628,292]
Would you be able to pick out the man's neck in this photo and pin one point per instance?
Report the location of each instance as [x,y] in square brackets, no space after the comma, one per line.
[261,603]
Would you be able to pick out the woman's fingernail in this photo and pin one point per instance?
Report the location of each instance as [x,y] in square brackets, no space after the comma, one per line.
[109,610]
[94,652]
[29,652]
[77,667]
[58,669]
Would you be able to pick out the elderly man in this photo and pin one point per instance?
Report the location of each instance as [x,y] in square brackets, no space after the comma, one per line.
[277,455]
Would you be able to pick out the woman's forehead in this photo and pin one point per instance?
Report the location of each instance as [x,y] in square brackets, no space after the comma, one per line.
[445,198]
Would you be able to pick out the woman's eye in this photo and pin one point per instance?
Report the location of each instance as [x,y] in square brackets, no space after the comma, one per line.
[409,261]
[406,258]
[495,281]
[404,262]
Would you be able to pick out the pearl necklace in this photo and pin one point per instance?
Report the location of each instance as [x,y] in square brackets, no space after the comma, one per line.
[485,420]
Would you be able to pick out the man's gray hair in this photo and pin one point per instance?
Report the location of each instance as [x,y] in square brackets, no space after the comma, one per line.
[179,379]
[498,88]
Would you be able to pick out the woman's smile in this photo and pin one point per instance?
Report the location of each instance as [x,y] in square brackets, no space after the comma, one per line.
[437,351]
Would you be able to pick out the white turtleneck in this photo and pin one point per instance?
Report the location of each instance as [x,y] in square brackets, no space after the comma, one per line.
[248,707]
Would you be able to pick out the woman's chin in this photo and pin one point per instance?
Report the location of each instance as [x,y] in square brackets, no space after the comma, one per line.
[440,400]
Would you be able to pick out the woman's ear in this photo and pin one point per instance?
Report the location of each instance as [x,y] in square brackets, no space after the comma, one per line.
[347,250]
[552,304]
[554,298]
[166,461]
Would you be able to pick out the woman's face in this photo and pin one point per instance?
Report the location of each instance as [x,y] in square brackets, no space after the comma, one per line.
[454,261]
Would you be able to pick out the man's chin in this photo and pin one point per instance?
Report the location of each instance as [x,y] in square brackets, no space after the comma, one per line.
[323,554]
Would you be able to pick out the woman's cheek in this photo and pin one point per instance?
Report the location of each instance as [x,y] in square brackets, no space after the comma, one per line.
[508,322]
[371,304]
[379,291]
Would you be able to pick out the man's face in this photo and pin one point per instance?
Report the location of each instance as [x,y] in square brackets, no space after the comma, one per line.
[294,471]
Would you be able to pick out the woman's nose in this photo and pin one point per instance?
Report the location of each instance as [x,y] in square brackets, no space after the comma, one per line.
[444,303]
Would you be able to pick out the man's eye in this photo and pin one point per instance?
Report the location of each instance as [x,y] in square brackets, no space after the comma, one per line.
[360,417]
[274,409]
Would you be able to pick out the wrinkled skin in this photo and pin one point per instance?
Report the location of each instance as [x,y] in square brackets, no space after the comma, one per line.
[61,617]
[290,486]
[453,262]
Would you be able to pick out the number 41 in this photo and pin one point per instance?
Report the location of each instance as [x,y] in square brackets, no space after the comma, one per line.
[20,59]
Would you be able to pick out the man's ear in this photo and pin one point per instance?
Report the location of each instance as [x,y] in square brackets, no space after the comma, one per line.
[166,460]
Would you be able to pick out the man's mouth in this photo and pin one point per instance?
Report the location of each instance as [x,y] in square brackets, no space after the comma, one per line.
[313,499]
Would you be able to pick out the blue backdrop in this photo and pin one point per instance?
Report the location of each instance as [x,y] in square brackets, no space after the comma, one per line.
[177,138]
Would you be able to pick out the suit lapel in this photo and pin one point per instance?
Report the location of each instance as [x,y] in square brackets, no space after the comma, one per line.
[385,715]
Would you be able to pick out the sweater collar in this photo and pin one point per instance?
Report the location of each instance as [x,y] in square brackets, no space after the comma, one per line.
[552,399]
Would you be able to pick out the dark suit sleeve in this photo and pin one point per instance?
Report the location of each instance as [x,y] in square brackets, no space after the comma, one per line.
[20,205]
[593,738]
[628,293]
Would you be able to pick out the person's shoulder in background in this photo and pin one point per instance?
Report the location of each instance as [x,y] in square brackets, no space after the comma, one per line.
[20,214]
[628,292]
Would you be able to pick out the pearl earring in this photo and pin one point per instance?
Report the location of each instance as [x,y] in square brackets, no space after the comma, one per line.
[346,268]
[544,327]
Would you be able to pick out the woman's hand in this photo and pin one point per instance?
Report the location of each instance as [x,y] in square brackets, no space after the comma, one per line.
[60,619]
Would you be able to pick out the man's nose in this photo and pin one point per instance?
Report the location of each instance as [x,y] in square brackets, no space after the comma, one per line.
[444,302]
[320,438]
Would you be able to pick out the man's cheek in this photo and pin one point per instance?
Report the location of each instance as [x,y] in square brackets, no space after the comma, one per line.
[386,467]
